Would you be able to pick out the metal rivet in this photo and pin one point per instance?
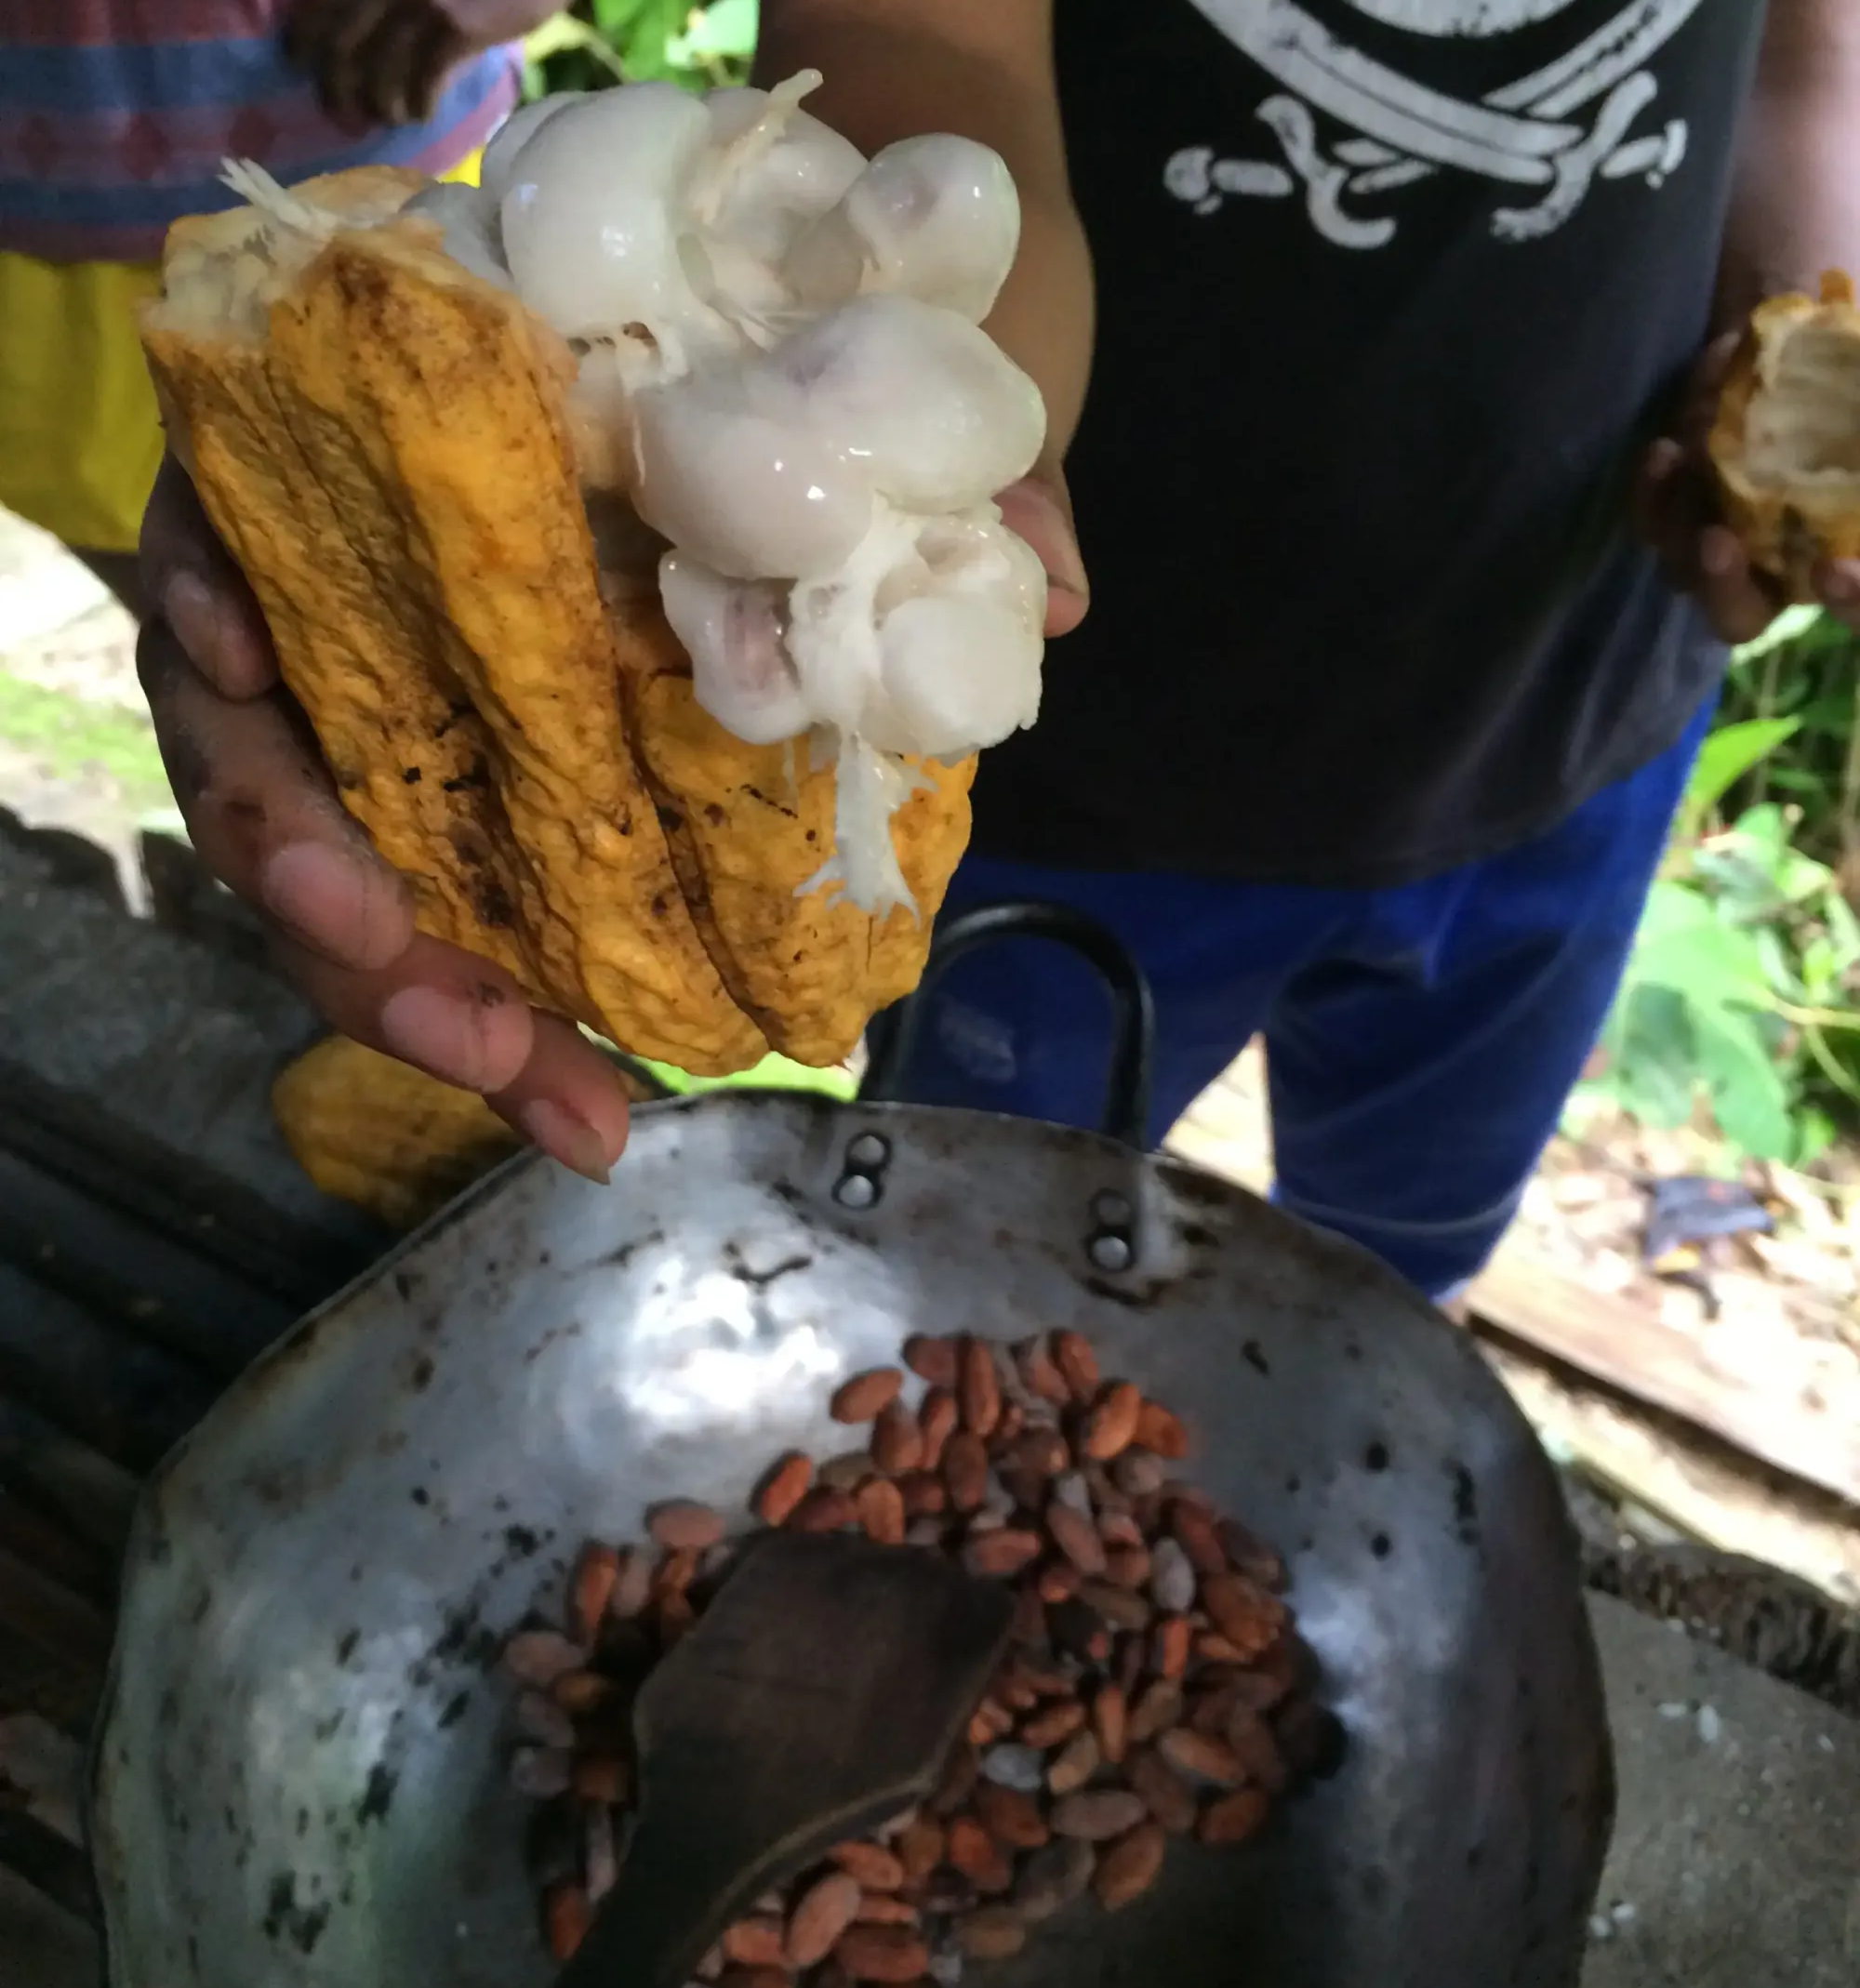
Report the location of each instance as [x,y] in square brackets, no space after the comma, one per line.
[869,1150]
[1112,1210]
[857,1190]
[1110,1252]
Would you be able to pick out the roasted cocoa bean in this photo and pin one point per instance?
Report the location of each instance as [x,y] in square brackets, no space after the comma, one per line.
[1039,1373]
[1193,1530]
[979,1388]
[783,1487]
[991,1932]
[1010,1817]
[823,1510]
[756,1941]
[1201,1758]
[1128,1867]
[539,1657]
[859,1398]
[1120,1606]
[880,1506]
[885,1908]
[1128,1567]
[1137,1473]
[683,1525]
[1159,1708]
[1249,1556]
[1246,1614]
[897,1440]
[870,1865]
[1161,1430]
[1095,1815]
[846,1472]
[1075,1764]
[923,1495]
[1235,1818]
[973,1851]
[920,1847]
[938,1417]
[1165,1794]
[932,1360]
[1171,1641]
[566,1916]
[1052,1878]
[823,1911]
[597,1573]
[1077,1538]
[1053,1724]
[1077,1363]
[1110,1423]
[1262,1763]
[890,1953]
[965,1471]
[1006,1552]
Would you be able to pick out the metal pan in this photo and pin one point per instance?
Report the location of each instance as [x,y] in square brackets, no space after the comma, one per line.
[300,1774]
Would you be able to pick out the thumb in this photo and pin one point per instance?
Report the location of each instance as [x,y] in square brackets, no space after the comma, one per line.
[1039,509]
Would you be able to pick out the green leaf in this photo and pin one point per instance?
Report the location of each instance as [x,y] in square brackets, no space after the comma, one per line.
[563,34]
[1791,625]
[1749,1098]
[773,1073]
[1727,755]
[724,31]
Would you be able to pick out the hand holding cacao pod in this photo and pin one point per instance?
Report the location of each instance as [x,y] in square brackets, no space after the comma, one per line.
[467,525]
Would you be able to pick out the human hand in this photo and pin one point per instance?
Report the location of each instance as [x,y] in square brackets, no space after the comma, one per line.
[1676,509]
[1039,509]
[382,61]
[264,817]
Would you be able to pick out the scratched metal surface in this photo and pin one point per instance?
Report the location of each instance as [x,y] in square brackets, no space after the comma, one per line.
[298,1778]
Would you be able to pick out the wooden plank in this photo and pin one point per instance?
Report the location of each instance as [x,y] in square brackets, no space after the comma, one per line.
[1609,1338]
[1702,1487]
[1617,1343]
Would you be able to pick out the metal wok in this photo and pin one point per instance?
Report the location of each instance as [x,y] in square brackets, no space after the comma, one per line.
[300,1778]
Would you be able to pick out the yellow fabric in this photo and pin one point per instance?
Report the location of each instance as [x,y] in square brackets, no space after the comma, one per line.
[80,440]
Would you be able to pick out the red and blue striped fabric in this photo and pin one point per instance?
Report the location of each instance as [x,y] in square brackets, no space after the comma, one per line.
[115,116]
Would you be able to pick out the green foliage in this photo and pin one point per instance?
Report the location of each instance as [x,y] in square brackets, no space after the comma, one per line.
[1744,987]
[596,43]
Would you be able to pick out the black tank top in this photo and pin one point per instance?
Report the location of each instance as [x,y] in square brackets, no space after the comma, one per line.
[1391,293]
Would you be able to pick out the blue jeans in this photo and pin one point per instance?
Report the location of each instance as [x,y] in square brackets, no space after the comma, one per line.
[1420,1040]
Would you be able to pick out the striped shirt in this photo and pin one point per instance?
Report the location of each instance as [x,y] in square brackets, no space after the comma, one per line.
[115,116]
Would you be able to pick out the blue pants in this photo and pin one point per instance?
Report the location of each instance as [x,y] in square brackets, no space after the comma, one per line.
[1420,1040]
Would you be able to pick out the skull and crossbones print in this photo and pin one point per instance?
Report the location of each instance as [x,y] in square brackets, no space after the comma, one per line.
[1546,138]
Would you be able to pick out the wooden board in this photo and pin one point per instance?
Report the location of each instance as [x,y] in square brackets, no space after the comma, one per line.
[1699,1487]
[1608,1338]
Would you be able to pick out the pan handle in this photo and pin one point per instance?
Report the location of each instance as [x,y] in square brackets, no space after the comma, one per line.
[892,1040]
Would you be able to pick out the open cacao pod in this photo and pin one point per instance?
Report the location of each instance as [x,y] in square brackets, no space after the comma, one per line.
[1787,440]
[383,439]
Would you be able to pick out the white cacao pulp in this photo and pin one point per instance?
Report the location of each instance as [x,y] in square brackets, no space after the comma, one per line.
[785,373]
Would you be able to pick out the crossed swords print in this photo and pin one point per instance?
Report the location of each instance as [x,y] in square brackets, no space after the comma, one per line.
[1520,135]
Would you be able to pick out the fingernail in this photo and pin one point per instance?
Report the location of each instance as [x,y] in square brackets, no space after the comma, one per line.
[1720,555]
[191,613]
[566,1138]
[1840,586]
[319,891]
[437,1031]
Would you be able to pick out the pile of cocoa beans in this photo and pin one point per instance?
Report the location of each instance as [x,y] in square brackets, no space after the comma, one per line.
[1155,1686]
